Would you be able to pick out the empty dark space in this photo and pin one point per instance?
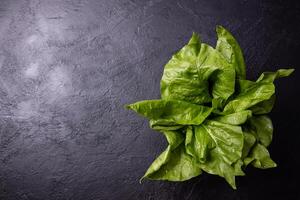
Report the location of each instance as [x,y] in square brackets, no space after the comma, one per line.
[67,67]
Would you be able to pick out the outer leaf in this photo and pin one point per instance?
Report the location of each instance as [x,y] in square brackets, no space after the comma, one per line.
[218,166]
[244,85]
[164,125]
[260,158]
[182,79]
[229,47]
[252,93]
[223,80]
[238,168]
[269,77]
[171,112]
[262,129]
[174,164]
[198,143]
[224,158]
[249,141]
[237,118]
[227,138]
[250,96]
[264,107]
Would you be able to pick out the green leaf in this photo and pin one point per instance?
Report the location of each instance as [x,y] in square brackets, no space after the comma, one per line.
[228,141]
[186,76]
[252,93]
[234,118]
[174,164]
[264,107]
[229,47]
[238,168]
[249,141]
[244,85]
[171,112]
[269,77]
[260,158]
[250,96]
[182,79]
[217,166]
[227,138]
[223,80]
[262,129]
[198,143]
[164,125]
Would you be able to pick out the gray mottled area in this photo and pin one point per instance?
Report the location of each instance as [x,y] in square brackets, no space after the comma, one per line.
[68,67]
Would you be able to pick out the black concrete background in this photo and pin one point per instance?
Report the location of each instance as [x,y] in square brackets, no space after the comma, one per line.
[68,67]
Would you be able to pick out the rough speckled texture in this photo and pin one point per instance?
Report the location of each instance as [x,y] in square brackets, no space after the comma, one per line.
[68,67]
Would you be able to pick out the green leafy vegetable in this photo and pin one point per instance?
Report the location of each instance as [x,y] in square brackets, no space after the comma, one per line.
[212,117]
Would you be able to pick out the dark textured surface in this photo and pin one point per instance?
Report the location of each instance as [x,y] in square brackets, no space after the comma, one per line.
[68,67]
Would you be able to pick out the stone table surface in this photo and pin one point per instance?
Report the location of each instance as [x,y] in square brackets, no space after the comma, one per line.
[67,67]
